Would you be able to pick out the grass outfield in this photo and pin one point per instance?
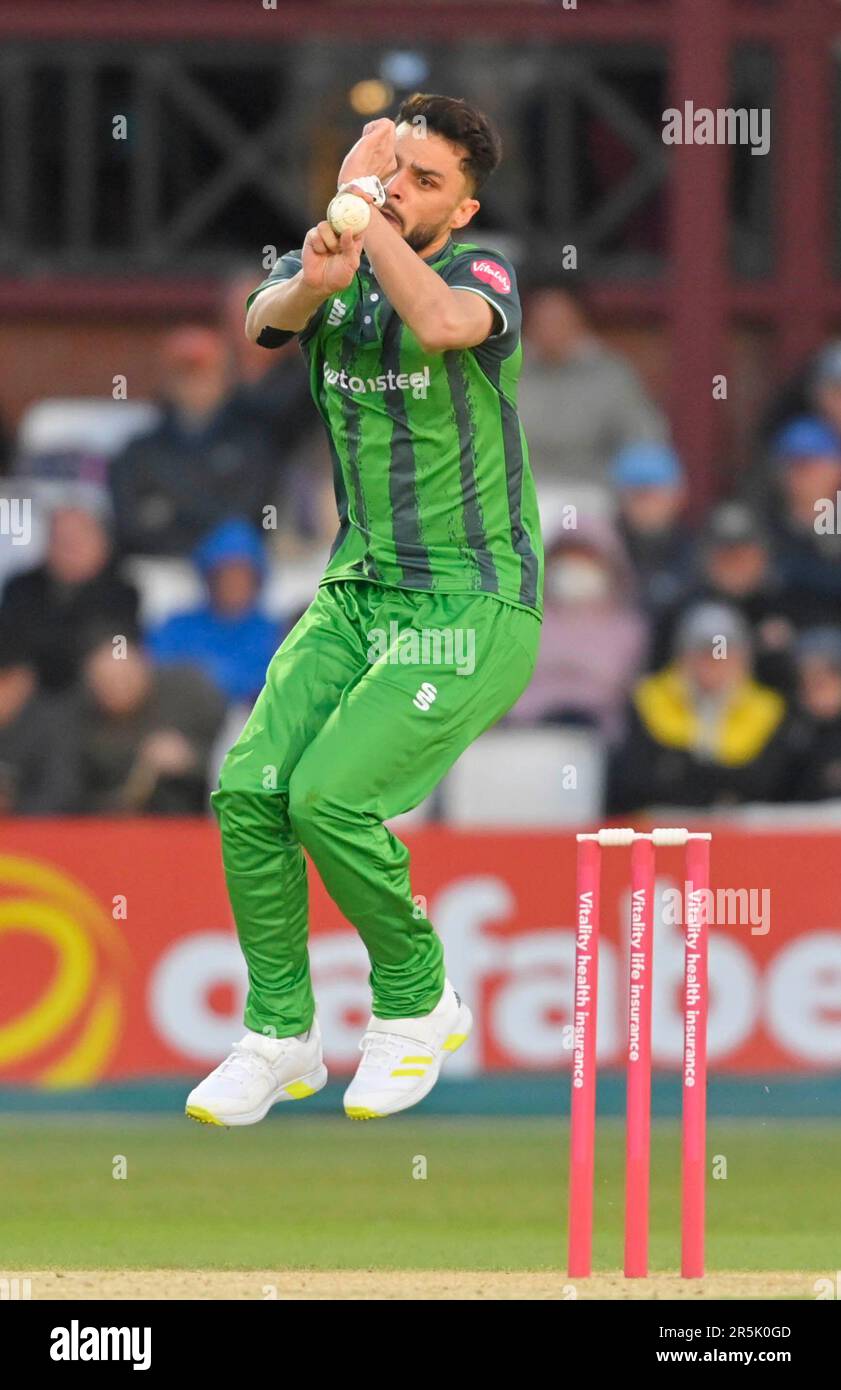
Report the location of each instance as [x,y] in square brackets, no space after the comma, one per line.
[319,1194]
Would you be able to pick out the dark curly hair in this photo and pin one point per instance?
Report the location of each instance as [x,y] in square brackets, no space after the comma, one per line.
[463,125]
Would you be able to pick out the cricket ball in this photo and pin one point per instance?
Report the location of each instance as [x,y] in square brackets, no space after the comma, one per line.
[348,213]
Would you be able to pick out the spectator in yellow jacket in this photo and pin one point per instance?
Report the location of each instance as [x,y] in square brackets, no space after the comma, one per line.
[702,732]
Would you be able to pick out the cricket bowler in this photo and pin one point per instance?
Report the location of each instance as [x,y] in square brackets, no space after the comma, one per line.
[425,626]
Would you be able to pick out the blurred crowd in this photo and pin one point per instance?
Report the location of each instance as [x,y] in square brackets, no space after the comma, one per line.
[703,658]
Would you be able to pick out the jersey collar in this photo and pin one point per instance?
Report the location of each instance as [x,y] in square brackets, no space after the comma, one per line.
[441,254]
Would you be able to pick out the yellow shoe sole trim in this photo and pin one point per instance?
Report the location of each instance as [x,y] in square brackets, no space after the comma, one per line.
[409,1071]
[408,1060]
[361,1112]
[204,1117]
[299,1089]
[455,1040]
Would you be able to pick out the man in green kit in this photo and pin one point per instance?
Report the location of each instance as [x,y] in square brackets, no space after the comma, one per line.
[425,627]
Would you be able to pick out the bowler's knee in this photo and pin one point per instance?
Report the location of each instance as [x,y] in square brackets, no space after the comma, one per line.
[237,810]
[309,805]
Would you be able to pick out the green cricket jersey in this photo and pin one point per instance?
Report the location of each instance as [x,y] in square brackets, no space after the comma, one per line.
[433,484]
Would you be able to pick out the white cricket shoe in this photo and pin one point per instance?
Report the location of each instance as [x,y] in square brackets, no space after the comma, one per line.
[259,1072]
[402,1057]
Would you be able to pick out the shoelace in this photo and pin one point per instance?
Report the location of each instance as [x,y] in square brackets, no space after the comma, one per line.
[253,1063]
[381,1048]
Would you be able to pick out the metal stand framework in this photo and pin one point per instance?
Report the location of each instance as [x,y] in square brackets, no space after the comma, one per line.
[698,301]
[585,1007]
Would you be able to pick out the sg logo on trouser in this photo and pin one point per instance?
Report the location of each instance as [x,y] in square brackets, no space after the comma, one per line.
[425,695]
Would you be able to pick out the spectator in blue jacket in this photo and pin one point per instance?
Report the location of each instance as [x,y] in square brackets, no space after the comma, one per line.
[229,637]
[209,455]
[650,491]
[805,521]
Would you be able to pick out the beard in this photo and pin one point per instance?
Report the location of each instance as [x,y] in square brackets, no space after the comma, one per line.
[422,236]
[419,237]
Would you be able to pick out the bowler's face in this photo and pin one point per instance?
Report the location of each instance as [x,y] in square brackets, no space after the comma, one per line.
[428,194]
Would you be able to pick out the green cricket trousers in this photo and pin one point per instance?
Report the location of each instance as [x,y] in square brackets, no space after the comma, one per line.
[368,701]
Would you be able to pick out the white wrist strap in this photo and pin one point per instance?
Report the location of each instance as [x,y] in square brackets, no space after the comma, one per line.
[369,183]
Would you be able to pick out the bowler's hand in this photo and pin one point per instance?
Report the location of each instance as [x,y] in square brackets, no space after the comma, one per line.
[373,153]
[329,262]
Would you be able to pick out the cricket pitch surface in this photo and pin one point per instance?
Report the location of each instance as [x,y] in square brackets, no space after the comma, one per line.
[445,1284]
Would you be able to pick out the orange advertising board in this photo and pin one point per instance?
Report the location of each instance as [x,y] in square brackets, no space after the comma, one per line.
[119,957]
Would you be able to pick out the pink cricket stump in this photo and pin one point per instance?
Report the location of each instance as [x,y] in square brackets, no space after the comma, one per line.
[695,1059]
[638,1123]
[583,1103]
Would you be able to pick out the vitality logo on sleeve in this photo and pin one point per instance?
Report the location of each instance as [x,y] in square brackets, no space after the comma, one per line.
[493,274]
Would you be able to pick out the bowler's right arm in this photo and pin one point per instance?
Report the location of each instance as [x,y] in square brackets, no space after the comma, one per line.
[328,265]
